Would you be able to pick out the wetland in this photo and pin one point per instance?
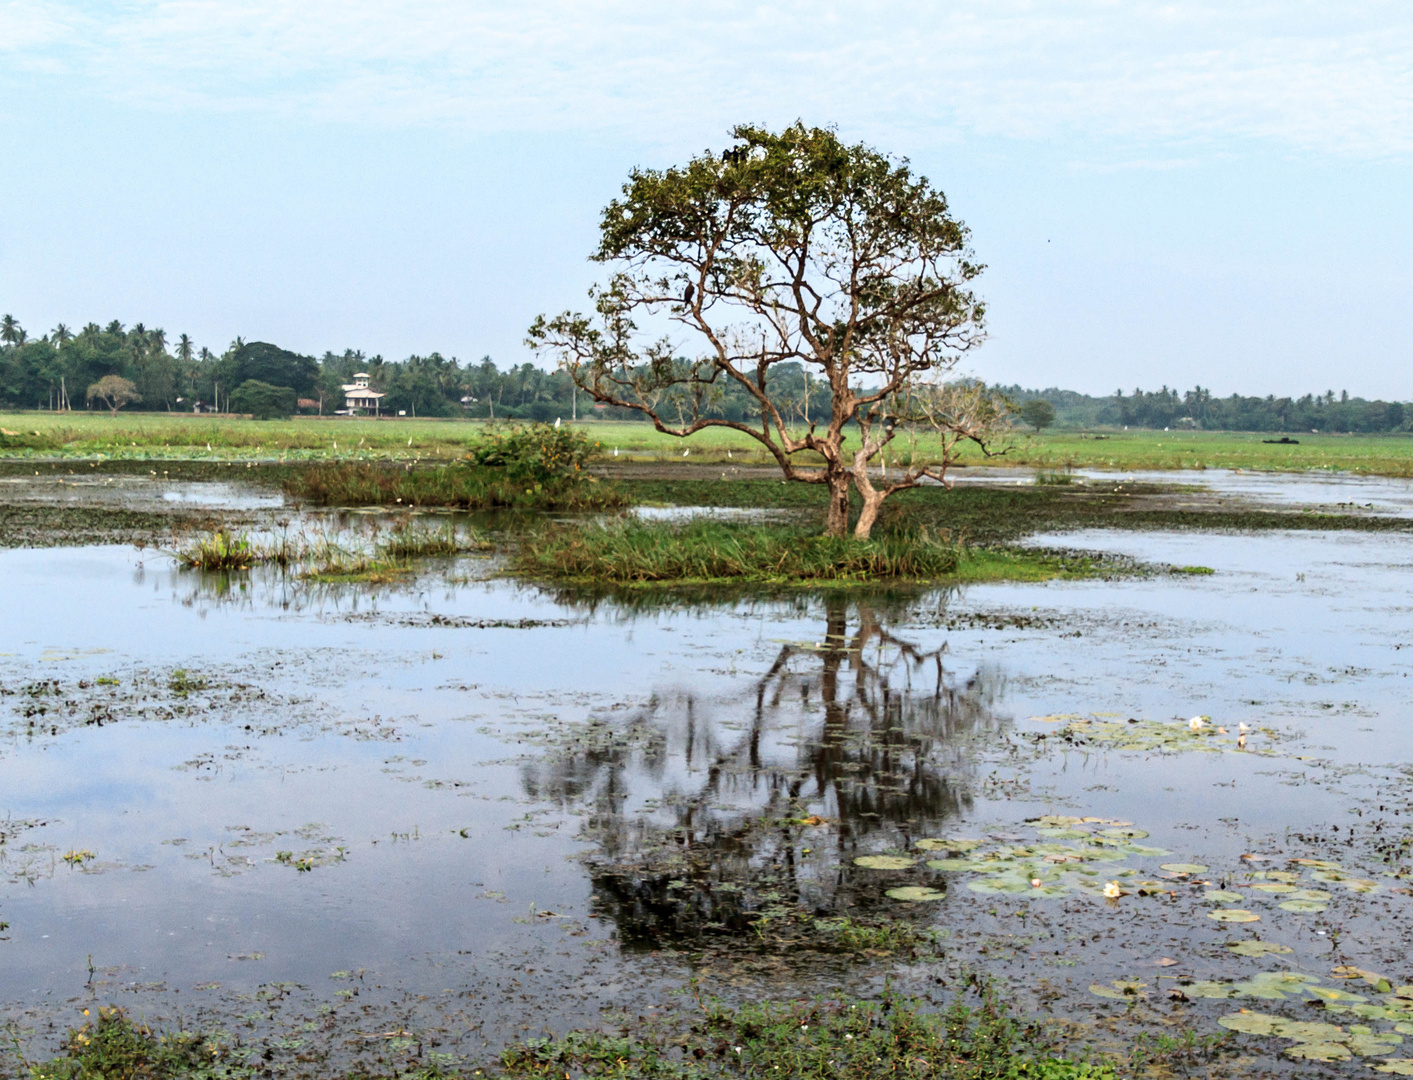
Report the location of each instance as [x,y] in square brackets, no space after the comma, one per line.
[443,818]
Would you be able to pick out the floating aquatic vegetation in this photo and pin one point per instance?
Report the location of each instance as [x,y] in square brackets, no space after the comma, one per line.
[1121,989]
[1233,915]
[1258,948]
[1184,868]
[916,893]
[950,844]
[1158,735]
[1062,861]
[1314,1040]
[1223,896]
[885,862]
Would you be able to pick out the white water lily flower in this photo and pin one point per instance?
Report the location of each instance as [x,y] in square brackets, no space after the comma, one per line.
[1243,726]
[1196,723]
[1112,890]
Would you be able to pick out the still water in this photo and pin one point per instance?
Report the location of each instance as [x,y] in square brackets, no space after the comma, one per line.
[470,789]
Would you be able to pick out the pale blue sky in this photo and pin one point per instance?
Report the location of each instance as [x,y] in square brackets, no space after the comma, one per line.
[1164,193]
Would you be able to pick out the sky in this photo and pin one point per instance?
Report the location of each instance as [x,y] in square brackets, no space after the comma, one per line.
[1163,193]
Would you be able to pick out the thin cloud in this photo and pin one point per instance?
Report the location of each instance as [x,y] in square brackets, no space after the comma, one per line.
[1300,74]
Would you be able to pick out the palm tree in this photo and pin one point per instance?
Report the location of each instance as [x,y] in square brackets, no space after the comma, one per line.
[62,335]
[185,349]
[10,331]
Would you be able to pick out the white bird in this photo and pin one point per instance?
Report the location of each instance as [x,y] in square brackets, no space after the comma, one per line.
[685,452]
[615,451]
[556,423]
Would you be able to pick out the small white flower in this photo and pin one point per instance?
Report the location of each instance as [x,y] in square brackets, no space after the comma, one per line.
[1243,726]
[1196,723]
[1112,890]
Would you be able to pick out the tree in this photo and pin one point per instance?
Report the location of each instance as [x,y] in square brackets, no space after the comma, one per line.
[11,333]
[115,391]
[790,248]
[186,349]
[263,401]
[1038,413]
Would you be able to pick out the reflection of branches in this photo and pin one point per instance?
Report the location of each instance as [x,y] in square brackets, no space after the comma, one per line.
[861,732]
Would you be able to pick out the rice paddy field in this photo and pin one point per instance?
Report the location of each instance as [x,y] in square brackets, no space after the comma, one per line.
[180,437]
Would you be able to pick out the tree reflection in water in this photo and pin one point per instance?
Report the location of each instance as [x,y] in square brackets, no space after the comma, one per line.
[722,817]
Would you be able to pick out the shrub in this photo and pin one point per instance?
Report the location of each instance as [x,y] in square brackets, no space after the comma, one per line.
[263,401]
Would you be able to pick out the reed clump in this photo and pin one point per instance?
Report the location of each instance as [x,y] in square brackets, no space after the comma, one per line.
[630,551]
[380,554]
[460,487]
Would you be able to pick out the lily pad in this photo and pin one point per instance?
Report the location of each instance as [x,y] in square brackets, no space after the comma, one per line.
[1120,989]
[1258,948]
[1272,887]
[1276,875]
[1124,834]
[999,885]
[1234,915]
[1329,993]
[1185,867]
[1326,1051]
[1396,1066]
[916,894]
[884,862]
[1065,834]
[947,844]
[1223,896]
[1145,850]
[952,864]
[1316,864]
[1303,907]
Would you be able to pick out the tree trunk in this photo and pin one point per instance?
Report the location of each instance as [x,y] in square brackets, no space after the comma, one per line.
[872,503]
[837,523]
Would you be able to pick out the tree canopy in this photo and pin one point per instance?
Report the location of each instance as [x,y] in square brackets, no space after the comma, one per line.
[791,248]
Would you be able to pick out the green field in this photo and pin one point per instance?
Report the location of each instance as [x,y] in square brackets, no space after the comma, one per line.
[165,436]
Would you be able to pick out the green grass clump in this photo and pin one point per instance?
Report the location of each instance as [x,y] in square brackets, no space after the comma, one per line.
[464,487]
[839,1040]
[223,550]
[630,551]
[382,555]
[113,1047]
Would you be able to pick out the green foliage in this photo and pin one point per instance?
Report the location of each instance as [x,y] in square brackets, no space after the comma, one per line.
[630,551]
[114,391]
[822,1040]
[113,1047]
[262,400]
[1038,413]
[535,454]
[460,487]
[222,551]
[265,363]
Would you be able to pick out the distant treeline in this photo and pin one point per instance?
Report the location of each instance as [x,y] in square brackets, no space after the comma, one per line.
[55,370]
[1198,409]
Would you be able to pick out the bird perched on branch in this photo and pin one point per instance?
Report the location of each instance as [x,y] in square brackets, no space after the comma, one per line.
[689,292]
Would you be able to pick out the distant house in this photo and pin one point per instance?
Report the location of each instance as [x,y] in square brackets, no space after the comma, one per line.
[357,395]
